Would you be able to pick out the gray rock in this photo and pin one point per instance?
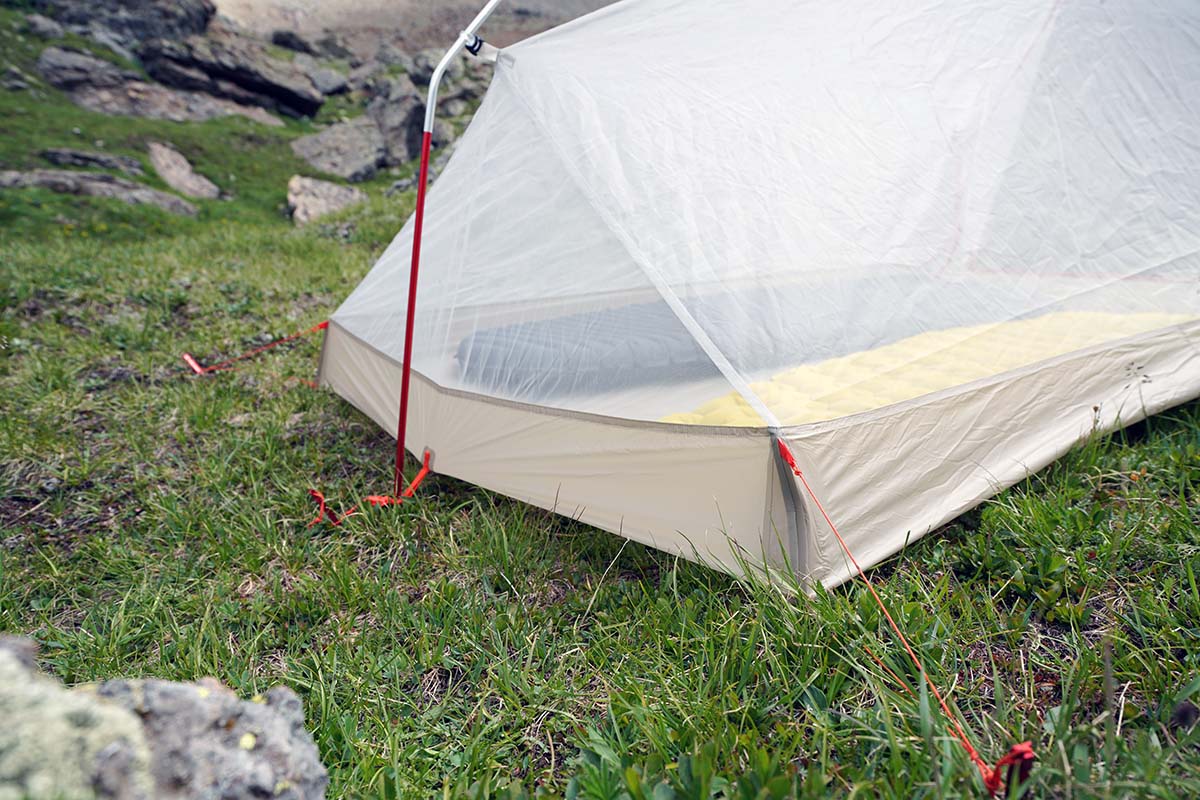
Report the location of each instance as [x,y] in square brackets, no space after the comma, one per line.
[43,27]
[64,744]
[66,157]
[95,184]
[453,107]
[177,172]
[135,740]
[391,55]
[330,45]
[400,186]
[206,743]
[14,80]
[70,69]
[309,199]
[399,111]
[328,81]
[292,40]
[420,66]
[113,41]
[227,64]
[130,22]
[351,150]
[361,76]
[150,100]
[444,134]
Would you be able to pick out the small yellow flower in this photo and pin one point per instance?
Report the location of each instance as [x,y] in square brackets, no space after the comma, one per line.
[247,741]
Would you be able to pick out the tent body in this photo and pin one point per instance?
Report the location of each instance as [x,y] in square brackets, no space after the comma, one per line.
[930,246]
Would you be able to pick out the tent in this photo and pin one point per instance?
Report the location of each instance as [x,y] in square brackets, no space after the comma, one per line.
[927,247]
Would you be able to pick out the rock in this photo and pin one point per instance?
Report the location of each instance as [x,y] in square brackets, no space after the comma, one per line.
[99,85]
[141,99]
[453,107]
[207,742]
[236,67]
[331,46]
[420,66]
[292,40]
[43,27]
[443,132]
[328,81]
[127,23]
[391,55]
[95,184]
[141,739]
[66,157]
[352,150]
[309,198]
[14,80]
[177,173]
[362,76]
[69,69]
[400,186]
[59,743]
[399,111]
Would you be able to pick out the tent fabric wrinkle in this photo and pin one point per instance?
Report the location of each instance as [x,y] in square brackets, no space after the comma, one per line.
[928,248]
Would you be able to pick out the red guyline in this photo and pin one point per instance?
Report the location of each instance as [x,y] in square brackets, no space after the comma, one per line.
[1019,756]
[199,369]
[326,513]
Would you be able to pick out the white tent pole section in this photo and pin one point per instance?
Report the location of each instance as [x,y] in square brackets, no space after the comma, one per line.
[468,38]
[925,251]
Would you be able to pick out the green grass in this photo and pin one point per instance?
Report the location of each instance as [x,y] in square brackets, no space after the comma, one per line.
[465,645]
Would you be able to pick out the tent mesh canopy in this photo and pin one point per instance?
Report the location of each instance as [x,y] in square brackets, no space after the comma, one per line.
[770,216]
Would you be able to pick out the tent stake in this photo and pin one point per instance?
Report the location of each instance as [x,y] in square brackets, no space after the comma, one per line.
[467,38]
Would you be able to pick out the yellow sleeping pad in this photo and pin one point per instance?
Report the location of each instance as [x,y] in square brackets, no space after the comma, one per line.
[919,365]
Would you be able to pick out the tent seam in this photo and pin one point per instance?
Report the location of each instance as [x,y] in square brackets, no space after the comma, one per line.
[720,361]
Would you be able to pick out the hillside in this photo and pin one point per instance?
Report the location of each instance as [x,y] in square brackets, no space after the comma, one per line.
[411,23]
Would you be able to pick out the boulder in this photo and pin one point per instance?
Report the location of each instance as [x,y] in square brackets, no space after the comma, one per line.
[70,69]
[399,110]
[177,172]
[328,81]
[66,157]
[292,40]
[352,150]
[309,198]
[127,23]
[95,184]
[362,76]
[102,86]
[230,65]
[330,45]
[142,739]
[43,27]
[58,743]
[150,100]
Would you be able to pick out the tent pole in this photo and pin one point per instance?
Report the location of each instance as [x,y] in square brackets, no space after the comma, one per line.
[467,38]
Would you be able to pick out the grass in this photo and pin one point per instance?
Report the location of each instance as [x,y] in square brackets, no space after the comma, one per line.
[466,645]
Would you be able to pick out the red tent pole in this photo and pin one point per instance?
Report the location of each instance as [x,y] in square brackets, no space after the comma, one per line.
[474,45]
[410,316]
